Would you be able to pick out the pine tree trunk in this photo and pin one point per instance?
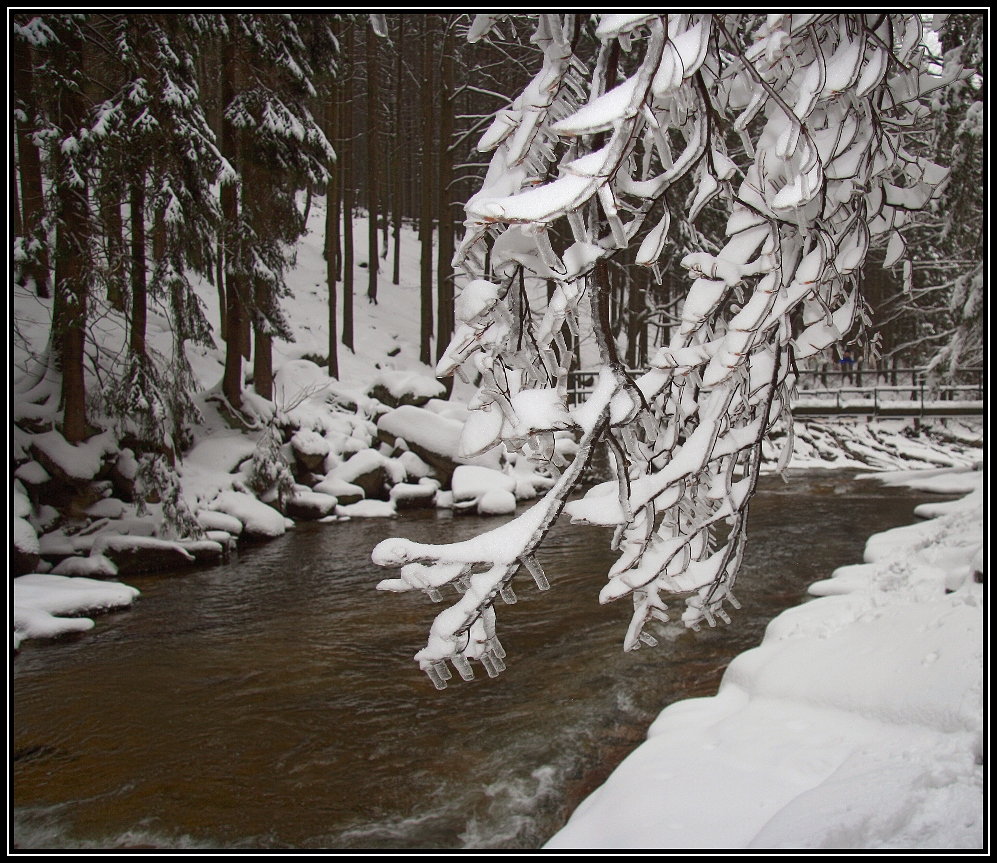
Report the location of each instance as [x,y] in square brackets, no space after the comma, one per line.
[263,348]
[396,168]
[332,230]
[32,194]
[444,269]
[15,200]
[347,175]
[426,216]
[371,166]
[72,248]
[114,241]
[136,339]
[220,284]
[235,320]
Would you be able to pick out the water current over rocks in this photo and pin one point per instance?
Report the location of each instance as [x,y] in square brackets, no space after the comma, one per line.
[273,701]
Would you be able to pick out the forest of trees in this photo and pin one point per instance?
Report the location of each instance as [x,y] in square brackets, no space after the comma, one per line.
[152,149]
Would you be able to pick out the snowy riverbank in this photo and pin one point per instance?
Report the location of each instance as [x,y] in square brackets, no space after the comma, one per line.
[858,723]
[352,450]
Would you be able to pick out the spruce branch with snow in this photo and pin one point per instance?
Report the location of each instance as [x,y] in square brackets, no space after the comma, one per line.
[799,125]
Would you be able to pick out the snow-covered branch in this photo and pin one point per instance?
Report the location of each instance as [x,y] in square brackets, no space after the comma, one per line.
[823,108]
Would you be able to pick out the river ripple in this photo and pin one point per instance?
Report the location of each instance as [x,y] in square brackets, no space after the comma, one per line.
[273,701]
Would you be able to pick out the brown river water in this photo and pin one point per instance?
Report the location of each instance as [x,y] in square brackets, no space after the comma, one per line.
[272,702]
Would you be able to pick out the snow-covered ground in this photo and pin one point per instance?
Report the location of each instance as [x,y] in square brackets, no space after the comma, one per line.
[858,722]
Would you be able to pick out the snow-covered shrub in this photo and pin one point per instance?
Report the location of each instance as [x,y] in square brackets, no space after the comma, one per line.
[797,124]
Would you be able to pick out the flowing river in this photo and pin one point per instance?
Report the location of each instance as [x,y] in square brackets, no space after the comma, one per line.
[272,702]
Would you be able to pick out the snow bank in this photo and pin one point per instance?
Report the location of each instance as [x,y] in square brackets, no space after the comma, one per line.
[858,723]
[886,444]
[257,518]
[222,451]
[38,599]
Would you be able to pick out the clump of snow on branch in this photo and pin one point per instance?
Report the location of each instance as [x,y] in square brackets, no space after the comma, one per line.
[821,105]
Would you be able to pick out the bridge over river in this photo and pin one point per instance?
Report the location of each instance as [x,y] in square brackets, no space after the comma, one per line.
[893,392]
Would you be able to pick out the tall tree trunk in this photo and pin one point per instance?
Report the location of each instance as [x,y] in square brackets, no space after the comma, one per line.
[114,241]
[347,175]
[15,200]
[426,215]
[444,269]
[220,284]
[396,168]
[235,317]
[72,248]
[263,347]
[371,165]
[138,269]
[332,230]
[36,268]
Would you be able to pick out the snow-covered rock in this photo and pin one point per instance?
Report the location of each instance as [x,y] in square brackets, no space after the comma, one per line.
[310,449]
[497,501]
[258,519]
[405,388]
[32,473]
[109,507]
[345,492]
[73,462]
[414,496]
[134,554]
[434,438]
[471,482]
[311,505]
[415,467]
[26,546]
[213,520]
[368,509]
[371,471]
[39,598]
[95,566]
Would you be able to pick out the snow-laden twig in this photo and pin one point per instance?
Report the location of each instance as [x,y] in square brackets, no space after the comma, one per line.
[825,176]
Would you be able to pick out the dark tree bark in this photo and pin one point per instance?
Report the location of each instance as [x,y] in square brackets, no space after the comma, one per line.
[72,249]
[138,268]
[32,194]
[263,348]
[236,316]
[371,166]
[426,216]
[444,269]
[332,230]
[396,168]
[114,241]
[347,175]
[15,200]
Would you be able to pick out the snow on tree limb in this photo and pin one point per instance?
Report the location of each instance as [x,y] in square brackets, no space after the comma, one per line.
[822,104]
